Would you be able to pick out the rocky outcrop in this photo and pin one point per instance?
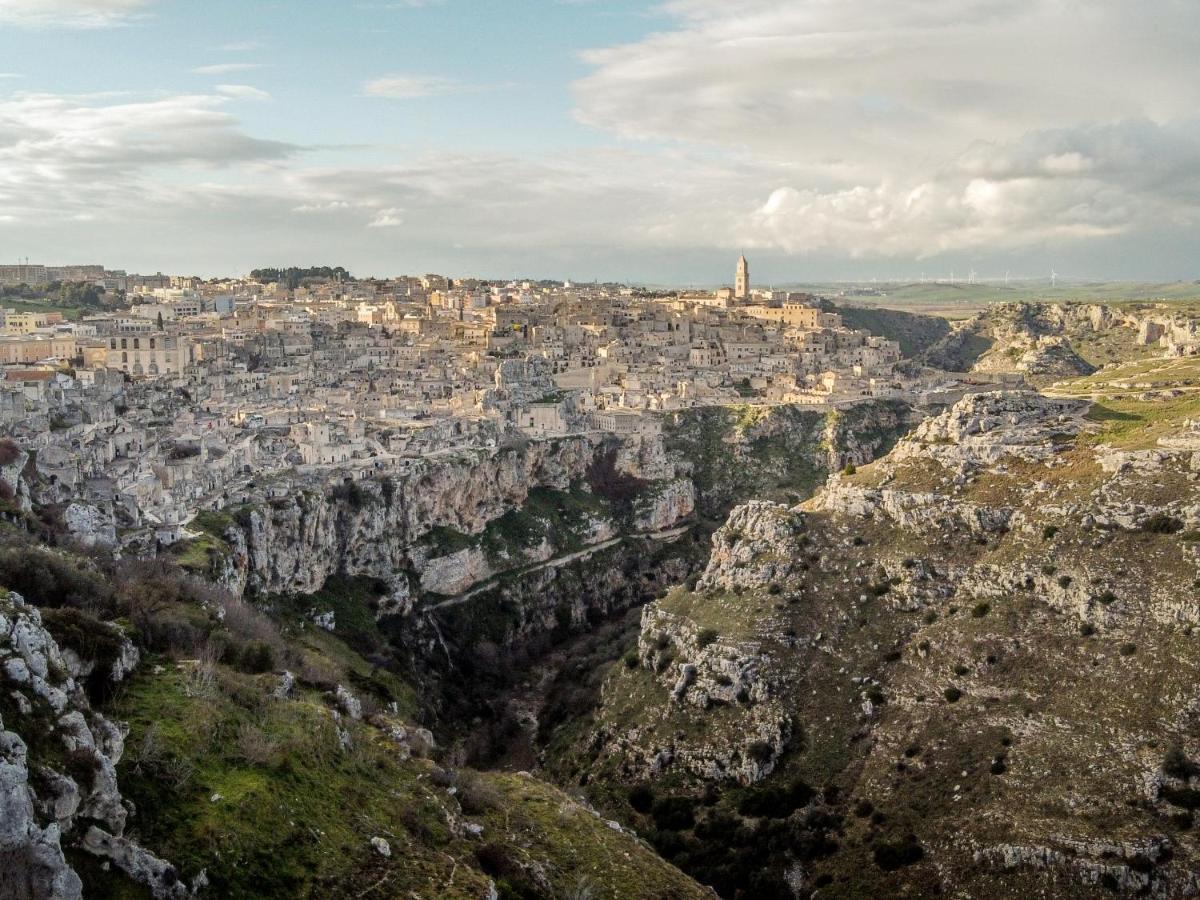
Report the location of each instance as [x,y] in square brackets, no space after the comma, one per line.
[756,547]
[77,752]
[982,429]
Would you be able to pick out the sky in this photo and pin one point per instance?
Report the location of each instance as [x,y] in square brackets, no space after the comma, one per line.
[635,140]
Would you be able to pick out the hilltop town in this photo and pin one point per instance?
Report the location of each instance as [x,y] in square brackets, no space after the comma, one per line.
[166,396]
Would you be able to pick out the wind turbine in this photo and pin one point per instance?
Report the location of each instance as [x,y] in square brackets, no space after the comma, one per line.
[1053,278]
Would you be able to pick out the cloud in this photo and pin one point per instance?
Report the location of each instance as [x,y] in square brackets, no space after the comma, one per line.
[411,87]
[242,92]
[227,68]
[387,218]
[61,156]
[916,127]
[70,13]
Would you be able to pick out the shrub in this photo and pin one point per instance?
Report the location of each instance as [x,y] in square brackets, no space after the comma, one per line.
[9,451]
[952,694]
[1108,597]
[1161,523]
[1049,532]
[477,796]
[1064,581]
[1183,797]
[706,637]
[981,609]
[498,861]
[850,469]
[50,579]
[893,855]
[254,746]
[1177,765]
[760,752]
[1087,629]
[776,802]
[631,660]
[674,813]
[1128,649]
[256,657]
[82,765]
[641,798]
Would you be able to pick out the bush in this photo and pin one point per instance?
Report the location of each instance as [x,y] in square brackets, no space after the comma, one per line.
[9,451]
[49,579]
[674,813]
[256,658]
[477,796]
[1064,581]
[1128,649]
[1049,532]
[850,469]
[1183,797]
[776,802]
[641,799]
[952,694]
[981,609]
[893,855]
[1107,598]
[499,862]
[1177,765]
[1087,629]
[706,637]
[1161,523]
[761,752]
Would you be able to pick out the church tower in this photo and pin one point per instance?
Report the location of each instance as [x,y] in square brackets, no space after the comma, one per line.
[742,289]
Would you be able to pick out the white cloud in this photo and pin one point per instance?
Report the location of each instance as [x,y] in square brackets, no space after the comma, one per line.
[916,127]
[226,68]
[61,156]
[242,92]
[391,217]
[411,87]
[70,13]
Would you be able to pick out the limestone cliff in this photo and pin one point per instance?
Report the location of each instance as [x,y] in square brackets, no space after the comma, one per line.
[58,762]
[967,667]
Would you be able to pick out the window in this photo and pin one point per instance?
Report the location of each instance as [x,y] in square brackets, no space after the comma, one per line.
[124,343]
[137,344]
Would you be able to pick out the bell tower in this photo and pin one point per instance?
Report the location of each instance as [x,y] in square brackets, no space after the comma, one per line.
[741,290]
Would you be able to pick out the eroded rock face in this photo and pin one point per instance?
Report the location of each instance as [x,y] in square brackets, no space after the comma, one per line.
[377,527]
[77,781]
[994,625]
[982,429]
[756,546]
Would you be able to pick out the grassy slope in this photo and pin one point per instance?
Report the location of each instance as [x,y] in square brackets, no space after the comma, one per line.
[258,791]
